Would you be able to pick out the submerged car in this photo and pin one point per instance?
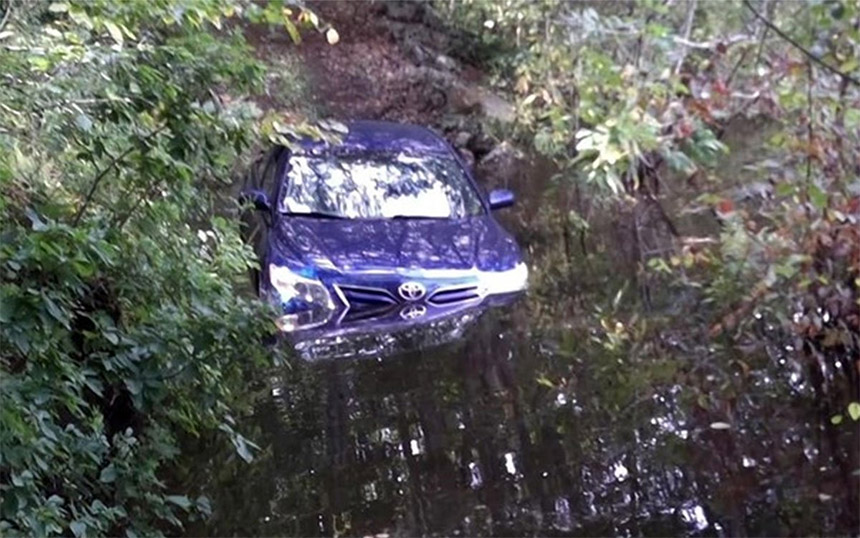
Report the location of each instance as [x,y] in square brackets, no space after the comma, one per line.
[388,332]
[385,223]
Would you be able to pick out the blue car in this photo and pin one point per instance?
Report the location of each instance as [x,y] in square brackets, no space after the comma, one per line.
[387,222]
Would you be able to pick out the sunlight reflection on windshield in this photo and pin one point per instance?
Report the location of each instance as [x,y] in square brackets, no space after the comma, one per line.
[378,186]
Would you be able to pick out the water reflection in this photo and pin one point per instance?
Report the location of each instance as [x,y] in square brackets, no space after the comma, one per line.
[498,433]
[378,185]
[387,330]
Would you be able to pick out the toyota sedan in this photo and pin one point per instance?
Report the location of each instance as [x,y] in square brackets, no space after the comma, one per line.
[386,223]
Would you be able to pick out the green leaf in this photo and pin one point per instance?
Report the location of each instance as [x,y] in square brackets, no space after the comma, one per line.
[83,268]
[849,65]
[78,527]
[37,222]
[836,420]
[128,33]
[204,505]
[817,196]
[852,118]
[135,386]
[80,17]
[83,122]
[55,311]
[114,32]
[58,7]
[243,448]
[6,310]
[854,411]
[543,380]
[39,63]
[292,30]
[108,474]
[94,384]
[179,500]
[785,189]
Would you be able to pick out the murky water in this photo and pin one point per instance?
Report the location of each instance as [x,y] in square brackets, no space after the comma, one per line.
[514,429]
[587,408]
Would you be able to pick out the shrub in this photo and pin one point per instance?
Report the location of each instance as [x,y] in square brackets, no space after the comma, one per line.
[123,322]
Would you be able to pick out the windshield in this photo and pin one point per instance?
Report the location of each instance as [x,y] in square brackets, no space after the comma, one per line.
[371,186]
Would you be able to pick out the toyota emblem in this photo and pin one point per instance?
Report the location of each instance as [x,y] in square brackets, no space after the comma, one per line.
[412,291]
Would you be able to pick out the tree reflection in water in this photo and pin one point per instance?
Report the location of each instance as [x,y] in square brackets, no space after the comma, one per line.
[517,430]
[378,185]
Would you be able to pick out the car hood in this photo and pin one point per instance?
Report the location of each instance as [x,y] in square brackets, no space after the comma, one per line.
[354,244]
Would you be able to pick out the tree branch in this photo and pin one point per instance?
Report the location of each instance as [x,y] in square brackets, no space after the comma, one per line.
[761,32]
[115,161]
[737,66]
[810,125]
[6,15]
[688,27]
[801,48]
[119,222]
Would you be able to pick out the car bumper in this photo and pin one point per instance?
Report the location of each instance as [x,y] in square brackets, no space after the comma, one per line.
[386,331]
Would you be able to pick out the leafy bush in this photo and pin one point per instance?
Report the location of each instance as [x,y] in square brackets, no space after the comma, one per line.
[123,319]
[631,102]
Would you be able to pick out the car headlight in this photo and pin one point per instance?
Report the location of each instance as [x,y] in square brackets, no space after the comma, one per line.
[304,301]
[510,281]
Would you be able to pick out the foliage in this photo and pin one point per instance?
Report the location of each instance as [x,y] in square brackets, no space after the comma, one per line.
[635,101]
[621,95]
[124,323]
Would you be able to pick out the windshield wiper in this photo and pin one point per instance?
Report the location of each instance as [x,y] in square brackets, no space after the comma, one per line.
[417,217]
[314,215]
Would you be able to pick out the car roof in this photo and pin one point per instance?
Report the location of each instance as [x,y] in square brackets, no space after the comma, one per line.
[365,135]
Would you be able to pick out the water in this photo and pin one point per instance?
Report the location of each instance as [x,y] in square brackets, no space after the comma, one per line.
[523,426]
[597,405]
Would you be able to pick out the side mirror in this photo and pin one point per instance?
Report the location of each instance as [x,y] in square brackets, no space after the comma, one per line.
[258,198]
[500,198]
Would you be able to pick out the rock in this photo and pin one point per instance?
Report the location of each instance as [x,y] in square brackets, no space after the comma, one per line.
[501,166]
[445,62]
[468,157]
[451,123]
[462,139]
[469,99]
[497,108]
[463,99]
[481,144]
[405,11]
[417,54]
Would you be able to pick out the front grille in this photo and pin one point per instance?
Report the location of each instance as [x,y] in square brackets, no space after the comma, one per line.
[366,313]
[446,296]
[366,297]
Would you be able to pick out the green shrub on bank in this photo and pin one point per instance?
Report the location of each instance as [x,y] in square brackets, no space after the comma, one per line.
[123,325]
